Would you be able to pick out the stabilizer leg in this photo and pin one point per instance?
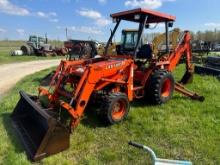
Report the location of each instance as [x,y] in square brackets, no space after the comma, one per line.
[194,96]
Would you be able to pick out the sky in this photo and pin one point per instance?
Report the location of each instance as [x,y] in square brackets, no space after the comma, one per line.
[90,19]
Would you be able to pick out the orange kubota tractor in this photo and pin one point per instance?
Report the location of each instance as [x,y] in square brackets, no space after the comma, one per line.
[44,122]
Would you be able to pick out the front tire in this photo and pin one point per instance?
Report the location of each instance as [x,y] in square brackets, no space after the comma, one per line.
[115,108]
[161,87]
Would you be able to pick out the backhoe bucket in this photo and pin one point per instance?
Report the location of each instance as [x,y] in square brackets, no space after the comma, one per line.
[187,78]
[41,134]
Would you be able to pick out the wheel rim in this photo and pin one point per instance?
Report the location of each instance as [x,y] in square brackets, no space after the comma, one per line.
[118,110]
[166,88]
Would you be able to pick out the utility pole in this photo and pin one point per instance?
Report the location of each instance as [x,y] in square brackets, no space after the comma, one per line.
[46,39]
[66,34]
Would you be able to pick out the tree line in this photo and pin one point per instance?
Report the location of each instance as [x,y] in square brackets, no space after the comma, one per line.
[208,35]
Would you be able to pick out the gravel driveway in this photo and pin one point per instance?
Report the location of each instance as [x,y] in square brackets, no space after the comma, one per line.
[10,74]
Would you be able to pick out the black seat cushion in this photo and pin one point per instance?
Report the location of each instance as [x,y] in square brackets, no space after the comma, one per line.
[145,52]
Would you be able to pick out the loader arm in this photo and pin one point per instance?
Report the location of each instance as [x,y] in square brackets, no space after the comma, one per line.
[94,77]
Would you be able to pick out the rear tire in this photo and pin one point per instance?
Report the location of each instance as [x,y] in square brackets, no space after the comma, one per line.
[161,87]
[115,108]
[26,50]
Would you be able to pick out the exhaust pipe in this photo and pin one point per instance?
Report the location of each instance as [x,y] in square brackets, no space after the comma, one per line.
[41,134]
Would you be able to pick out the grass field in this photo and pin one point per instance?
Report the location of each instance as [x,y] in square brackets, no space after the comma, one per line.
[180,129]
[7,46]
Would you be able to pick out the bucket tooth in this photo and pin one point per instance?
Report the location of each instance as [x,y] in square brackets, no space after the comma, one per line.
[41,134]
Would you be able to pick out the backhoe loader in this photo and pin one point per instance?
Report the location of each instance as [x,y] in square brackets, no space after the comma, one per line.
[44,122]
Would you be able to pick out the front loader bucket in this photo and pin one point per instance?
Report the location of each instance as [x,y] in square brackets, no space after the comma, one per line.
[41,134]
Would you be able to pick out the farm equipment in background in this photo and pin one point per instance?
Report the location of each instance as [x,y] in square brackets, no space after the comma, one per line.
[201,50]
[216,47]
[126,45]
[199,46]
[204,63]
[82,49]
[128,41]
[211,66]
[159,42]
[158,161]
[44,122]
[35,45]
[85,49]
[39,46]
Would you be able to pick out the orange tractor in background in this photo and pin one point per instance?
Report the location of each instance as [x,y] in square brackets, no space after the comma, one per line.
[44,122]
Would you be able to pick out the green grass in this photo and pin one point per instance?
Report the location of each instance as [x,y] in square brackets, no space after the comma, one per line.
[180,129]
[214,53]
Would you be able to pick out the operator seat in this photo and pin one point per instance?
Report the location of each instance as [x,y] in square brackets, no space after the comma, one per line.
[145,52]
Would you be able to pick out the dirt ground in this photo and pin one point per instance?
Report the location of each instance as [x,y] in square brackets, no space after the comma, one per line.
[10,74]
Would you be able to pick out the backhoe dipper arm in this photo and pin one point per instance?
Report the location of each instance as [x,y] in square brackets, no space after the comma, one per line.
[184,47]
